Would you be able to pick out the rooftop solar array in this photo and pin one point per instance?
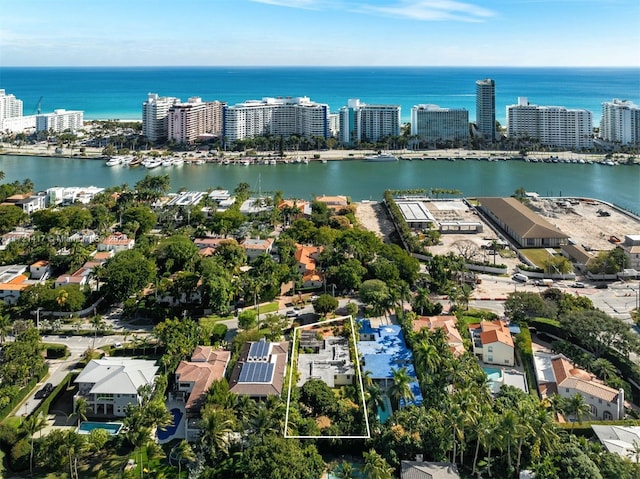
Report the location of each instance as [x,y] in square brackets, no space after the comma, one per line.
[256,373]
[259,351]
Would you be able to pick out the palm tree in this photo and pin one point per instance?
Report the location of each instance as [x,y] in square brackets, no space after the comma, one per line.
[577,407]
[5,327]
[216,428]
[421,300]
[80,410]
[375,467]
[30,426]
[426,357]
[374,399]
[184,452]
[603,368]
[343,471]
[98,324]
[400,391]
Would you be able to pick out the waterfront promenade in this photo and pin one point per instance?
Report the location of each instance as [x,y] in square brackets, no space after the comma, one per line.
[41,149]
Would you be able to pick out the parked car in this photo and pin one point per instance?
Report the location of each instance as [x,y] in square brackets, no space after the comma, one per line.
[578,284]
[292,314]
[602,286]
[44,392]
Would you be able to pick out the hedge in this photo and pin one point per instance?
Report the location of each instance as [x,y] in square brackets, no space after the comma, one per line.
[24,392]
[523,345]
[55,351]
[57,391]
[218,333]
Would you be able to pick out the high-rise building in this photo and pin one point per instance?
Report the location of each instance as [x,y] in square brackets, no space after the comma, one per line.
[432,123]
[486,108]
[620,122]
[155,112]
[550,125]
[188,121]
[277,117]
[60,120]
[10,106]
[362,122]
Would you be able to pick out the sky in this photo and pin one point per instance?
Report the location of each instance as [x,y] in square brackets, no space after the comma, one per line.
[320,32]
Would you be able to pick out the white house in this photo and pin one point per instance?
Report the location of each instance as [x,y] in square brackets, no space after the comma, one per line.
[255,247]
[492,342]
[110,384]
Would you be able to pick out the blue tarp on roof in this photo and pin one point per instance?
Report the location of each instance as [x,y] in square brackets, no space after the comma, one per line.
[386,353]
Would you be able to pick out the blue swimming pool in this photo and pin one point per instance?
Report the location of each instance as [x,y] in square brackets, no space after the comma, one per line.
[112,428]
[170,430]
[494,374]
[383,414]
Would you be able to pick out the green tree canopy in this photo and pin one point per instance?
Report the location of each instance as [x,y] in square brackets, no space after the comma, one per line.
[127,273]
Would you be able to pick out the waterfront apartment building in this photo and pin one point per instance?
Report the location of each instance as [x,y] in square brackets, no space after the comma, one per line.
[362,122]
[155,116]
[620,122]
[486,108]
[432,123]
[60,120]
[554,126]
[190,120]
[10,106]
[276,117]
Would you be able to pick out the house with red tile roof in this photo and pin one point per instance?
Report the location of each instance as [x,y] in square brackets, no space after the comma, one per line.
[333,202]
[306,256]
[557,375]
[40,270]
[492,342]
[448,325]
[13,281]
[193,380]
[116,242]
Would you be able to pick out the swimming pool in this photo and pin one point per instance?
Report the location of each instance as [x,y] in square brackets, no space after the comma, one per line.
[383,414]
[169,431]
[494,374]
[112,428]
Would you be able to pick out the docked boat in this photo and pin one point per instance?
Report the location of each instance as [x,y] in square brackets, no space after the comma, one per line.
[199,162]
[151,163]
[115,161]
[381,157]
[167,162]
[178,162]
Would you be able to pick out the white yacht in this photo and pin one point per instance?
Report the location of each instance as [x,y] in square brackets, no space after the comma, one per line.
[115,161]
[381,157]
[151,163]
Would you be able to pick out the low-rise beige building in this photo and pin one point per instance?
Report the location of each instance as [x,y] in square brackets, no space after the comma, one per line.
[492,342]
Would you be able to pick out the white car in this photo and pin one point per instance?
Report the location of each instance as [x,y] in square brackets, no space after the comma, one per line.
[578,284]
[292,314]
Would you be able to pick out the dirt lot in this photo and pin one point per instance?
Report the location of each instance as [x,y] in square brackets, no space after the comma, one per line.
[581,221]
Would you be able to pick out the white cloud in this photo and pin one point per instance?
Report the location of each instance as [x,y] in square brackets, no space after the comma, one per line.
[432,10]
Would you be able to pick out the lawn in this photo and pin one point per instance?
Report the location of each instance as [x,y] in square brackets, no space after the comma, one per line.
[538,256]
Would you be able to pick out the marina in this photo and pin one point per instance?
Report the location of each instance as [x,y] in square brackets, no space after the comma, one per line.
[361,180]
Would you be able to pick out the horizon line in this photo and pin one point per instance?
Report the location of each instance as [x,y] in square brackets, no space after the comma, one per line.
[324,66]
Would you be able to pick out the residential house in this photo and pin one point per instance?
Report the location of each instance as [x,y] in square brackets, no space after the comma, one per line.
[384,350]
[448,325]
[193,380]
[15,235]
[329,362]
[526,227]
[116,242]
[13,281]
[333,202]
[110,384]
[428,470]
[557,375]
[621,440]
[40,270]
[29,203]
[306,256]
[260,369]
[290,206]
[255,247]
[492,342]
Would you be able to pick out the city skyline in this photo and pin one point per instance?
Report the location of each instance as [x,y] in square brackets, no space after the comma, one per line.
[321,32]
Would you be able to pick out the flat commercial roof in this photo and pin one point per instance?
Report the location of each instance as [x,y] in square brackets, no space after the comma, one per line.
[414,211]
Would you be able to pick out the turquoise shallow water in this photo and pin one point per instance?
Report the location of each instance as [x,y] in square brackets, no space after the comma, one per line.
[119,92]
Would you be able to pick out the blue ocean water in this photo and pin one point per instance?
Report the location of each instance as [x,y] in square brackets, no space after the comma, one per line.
[110,93]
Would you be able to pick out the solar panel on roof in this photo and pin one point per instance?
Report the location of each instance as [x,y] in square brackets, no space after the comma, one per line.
[259,350]
[256,373]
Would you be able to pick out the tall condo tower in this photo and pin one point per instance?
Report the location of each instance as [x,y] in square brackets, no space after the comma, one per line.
[486,108]
[155,116]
